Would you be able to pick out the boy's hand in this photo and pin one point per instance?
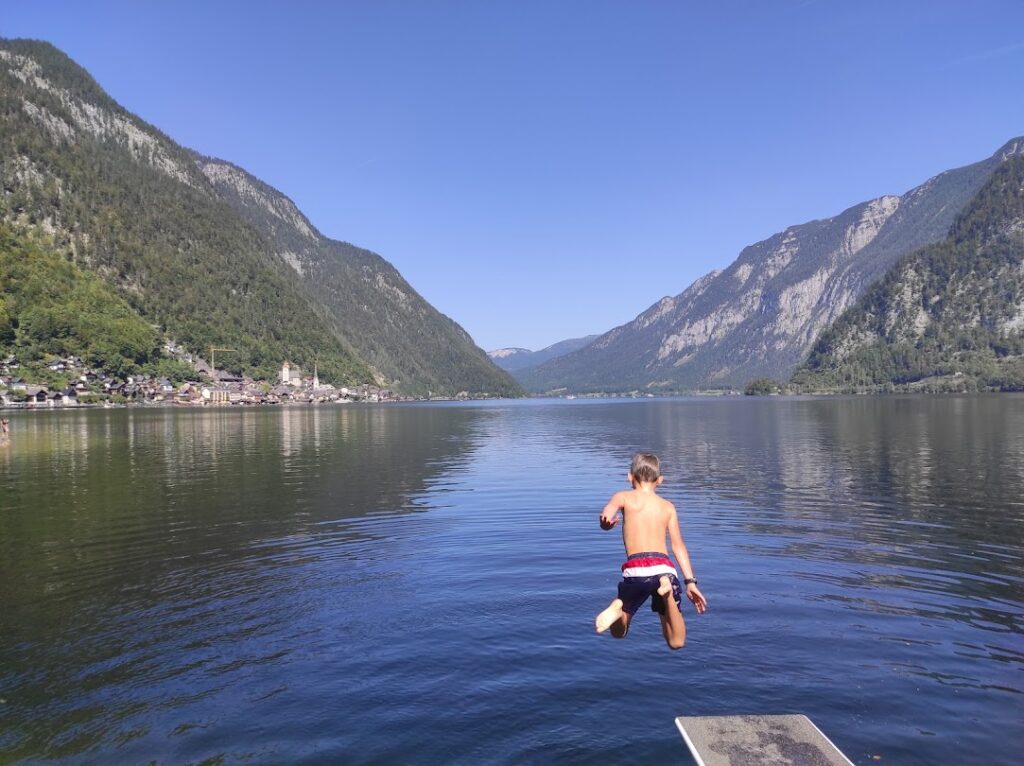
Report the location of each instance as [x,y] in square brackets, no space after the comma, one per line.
[696,598]
[609,520]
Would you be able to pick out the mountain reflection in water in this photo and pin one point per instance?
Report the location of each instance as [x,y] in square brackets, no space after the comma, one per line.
[417,583]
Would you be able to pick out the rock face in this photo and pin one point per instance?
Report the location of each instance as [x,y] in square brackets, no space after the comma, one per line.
[947,317]
[518,360]
[82,117]
[207,252]
[758,317]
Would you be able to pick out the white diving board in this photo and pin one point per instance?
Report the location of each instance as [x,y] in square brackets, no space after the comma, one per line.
[758,740]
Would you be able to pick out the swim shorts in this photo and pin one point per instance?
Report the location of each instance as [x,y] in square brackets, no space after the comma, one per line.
[641,576]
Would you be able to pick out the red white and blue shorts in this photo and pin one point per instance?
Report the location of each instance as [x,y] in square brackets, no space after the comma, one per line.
[641,576]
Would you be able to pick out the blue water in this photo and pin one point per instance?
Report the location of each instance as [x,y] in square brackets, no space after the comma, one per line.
[417,583]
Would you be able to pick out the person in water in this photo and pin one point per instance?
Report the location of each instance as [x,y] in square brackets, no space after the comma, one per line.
[648,571]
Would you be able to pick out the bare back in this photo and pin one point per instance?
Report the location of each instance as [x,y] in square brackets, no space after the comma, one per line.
[645,520]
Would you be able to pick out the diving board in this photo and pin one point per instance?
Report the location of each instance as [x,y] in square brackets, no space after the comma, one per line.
[758,740]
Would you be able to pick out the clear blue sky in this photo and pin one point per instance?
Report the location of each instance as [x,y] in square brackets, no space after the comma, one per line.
[545,169]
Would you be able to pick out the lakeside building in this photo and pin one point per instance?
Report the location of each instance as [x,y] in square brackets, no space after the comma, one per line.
[88,386]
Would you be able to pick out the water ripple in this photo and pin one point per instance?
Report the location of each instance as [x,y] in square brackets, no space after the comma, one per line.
[417,584]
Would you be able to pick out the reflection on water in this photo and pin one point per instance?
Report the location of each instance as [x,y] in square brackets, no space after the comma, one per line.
[129,536]
[417,583]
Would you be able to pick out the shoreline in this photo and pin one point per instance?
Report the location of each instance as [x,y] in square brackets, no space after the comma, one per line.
[37,408]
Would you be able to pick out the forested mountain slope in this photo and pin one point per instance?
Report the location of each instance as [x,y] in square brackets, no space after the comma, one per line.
[759,316]
[947,317]
[50,307]
[405,339]
[122,200]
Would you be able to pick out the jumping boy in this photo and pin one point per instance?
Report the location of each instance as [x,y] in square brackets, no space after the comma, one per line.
[648,571]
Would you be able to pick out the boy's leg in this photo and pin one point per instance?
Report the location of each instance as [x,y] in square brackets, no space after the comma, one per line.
[673,628]
[611,615]
[632,593]
[615,618]
[621,626]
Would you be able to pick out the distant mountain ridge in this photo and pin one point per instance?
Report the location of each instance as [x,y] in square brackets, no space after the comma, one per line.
[759,316]
[504,353]
[947,317]
[516,360]
[205,251]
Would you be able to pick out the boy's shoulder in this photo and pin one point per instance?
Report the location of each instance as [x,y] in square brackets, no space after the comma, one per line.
[639,497]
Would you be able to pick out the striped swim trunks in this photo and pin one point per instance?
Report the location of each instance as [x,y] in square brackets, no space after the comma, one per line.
[641,575]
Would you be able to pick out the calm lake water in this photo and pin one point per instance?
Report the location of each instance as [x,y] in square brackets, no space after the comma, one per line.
[417,584]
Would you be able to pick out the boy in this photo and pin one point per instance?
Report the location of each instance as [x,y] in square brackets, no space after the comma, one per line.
[648,571]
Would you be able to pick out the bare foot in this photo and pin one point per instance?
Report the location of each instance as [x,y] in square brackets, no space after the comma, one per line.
[664,586]
[609,616]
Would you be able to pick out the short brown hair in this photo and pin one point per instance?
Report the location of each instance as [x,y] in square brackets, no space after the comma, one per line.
[645,467]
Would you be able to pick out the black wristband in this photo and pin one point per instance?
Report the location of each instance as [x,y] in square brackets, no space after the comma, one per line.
[690,581]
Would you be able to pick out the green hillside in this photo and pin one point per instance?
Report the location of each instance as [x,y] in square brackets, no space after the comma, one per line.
[122,201]
[127,203]
[410,344]
[949,317]
[51,308]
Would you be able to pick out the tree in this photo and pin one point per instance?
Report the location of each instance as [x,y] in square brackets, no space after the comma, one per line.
[763,387]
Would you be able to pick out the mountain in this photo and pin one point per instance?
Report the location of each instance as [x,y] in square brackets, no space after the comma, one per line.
[515,360]
[122,201]
[947,317]
[367,302]
[505,357]
[177,237]
[759,317]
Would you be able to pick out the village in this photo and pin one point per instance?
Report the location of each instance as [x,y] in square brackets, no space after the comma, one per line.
[89,387]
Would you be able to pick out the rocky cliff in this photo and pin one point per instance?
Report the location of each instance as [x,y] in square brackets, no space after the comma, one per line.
[947,317]
[759,316]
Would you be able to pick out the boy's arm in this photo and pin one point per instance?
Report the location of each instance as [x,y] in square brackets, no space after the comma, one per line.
[683,559]
[610,514]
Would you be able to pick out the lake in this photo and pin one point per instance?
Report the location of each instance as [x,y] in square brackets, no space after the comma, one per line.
[417,583]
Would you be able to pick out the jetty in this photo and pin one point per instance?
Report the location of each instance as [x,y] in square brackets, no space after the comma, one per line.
[758,740]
